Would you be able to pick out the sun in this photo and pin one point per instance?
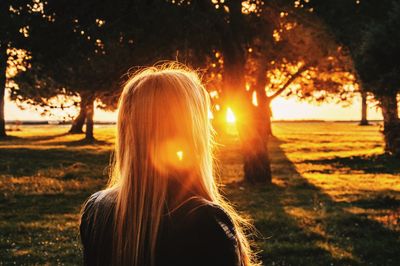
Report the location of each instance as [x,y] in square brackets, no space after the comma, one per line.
[230,116]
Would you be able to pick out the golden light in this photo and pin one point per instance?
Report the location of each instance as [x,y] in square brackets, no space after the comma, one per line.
[248,7]
[18,61]
[100,22]
[173,154]
[180,155]
[247,86]
[210,115]
[214,94]
[230,116]
[217,107]
[254,98]
[277,36]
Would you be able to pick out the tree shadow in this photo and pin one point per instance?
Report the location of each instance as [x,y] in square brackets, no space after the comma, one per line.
[384,201]
[280,238]
[41,229]
[15,140]
[365,241]
[373,164]
[82,142]
[30,139]
[30,162]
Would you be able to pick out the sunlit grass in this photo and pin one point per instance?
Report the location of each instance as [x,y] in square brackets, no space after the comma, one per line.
[334,200]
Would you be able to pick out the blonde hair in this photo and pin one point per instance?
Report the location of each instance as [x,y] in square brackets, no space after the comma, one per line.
[163,128]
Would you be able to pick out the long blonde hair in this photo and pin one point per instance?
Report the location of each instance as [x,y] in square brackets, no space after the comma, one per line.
[163,128]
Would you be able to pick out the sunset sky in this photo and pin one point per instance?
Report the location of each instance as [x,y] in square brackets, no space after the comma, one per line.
[283,109]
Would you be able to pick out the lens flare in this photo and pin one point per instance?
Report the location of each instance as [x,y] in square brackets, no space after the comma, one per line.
[230,116]
[173,155]
[179,154]
[254,98]
[210,115]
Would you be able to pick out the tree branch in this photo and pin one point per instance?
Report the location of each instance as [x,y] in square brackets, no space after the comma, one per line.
[288,82]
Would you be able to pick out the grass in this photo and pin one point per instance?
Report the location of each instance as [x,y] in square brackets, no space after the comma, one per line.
[335,199]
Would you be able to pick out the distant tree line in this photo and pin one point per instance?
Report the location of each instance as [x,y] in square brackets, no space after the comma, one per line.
[250,52]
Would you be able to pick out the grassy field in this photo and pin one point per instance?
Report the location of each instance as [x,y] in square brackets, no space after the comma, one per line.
[335,198]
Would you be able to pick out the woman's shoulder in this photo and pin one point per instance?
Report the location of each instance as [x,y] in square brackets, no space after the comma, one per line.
[96,227]
[207,231]
[197,208]
[99,206]
[211,216]
[100,199]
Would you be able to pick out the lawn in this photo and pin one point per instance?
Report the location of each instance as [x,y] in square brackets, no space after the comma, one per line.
[335,199]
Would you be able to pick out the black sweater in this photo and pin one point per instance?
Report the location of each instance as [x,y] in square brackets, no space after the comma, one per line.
[196,233]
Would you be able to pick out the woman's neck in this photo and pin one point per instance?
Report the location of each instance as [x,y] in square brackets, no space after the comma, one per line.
[179,192]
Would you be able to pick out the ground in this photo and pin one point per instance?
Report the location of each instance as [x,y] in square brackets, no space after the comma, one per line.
[335,198]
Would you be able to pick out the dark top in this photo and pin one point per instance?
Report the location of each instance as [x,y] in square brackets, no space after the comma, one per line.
[196,233]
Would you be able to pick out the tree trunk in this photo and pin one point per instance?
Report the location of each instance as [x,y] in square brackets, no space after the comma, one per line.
[79,121]
[252,125]
[255,133]
[3,69]
[268,121]
[250,121]
[391,123]
[364,106]
[89,119]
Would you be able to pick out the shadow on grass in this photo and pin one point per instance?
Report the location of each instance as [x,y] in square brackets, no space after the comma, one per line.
[30,139]
[82,142]
[374,164]
[41,229]
[28,162]
[44,228]
[281,239]
[303,225]
[367,241]
[378,202]
[41,204]
[15,140]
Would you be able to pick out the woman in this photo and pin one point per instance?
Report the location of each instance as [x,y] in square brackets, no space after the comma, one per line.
[162,206]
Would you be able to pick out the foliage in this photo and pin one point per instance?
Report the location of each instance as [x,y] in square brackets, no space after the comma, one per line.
[350,21]
[88,47]
[377,66]
[301,46]
[15,19]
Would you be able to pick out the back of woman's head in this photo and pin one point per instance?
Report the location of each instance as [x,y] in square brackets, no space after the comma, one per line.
[164,135]
[163,124]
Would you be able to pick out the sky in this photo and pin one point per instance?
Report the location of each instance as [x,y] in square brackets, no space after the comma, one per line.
[282,108]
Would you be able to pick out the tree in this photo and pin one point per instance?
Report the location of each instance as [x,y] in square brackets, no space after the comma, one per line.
[379,71]
[15,19]
[302,58]
[292,54]
[3,69]
[280,51]
[360,26]
[253,135]
[88,49]
[364,108]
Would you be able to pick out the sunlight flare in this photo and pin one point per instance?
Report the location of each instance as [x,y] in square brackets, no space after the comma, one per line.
[230,116]
[254,99]
[210,115]
[179,154]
